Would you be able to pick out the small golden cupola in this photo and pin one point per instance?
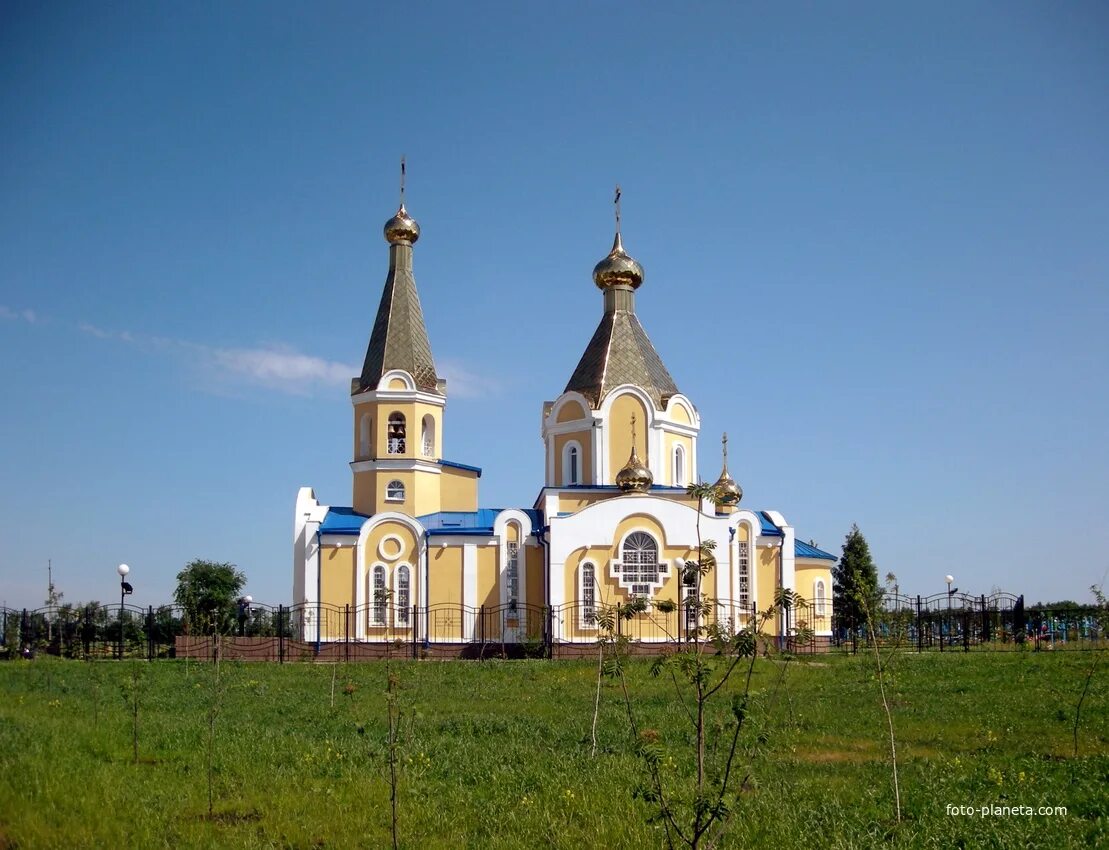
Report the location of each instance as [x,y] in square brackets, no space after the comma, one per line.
[618,268]
[635,477]
[620,352]
[728,492]
[401,228]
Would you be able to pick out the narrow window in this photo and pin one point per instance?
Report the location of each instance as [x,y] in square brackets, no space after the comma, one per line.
[377,612]
[512,575]
[573,465]
[394,491]
[397,434]
[428,436]
[588,596]
[744,576]
[820,599]
[691,601]
[679,466]
[403,590]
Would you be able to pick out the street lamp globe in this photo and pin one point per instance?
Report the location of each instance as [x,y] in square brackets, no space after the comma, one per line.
[949,579]
[248,599]
[123,570]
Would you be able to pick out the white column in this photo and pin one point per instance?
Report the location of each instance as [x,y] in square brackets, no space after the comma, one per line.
[469,586]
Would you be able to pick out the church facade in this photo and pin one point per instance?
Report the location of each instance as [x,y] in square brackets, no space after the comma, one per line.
[414,556]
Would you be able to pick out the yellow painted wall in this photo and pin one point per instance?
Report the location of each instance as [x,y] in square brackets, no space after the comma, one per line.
[458,490]
[584,440]
[569,412]
[337,576]
[678,414]
[445,580]
[807,572]
[619,434]
[360,411]
[488,593]
[336,589]
[673,440]
[766,560]
[365,493]
[533,563]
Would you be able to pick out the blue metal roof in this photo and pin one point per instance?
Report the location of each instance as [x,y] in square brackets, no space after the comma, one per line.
[342,521]
[804,550]
[479,522]
[768,527]
[454,465]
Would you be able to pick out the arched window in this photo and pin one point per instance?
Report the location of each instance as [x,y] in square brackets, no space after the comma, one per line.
[397,434]
[427,436]
[365,436]
[639,568]
[378,596]
[679,466]
[394,491]
[571,464]
[820,599]
[691,601]
[402,591]
[587,588]
[744,570]
[512,575]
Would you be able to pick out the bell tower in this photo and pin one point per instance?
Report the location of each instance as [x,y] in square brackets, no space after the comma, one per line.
[398,399]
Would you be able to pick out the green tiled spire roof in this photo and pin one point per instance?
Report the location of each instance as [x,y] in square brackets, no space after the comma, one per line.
[399,338]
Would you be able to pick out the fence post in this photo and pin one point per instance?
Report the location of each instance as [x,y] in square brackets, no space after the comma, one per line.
[281,634]
[919,627]
[548,638]
[346,632]
[966,630]
[149,632]
[985,620]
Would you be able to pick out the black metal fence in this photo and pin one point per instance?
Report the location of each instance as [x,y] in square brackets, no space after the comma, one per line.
[942,622]
[961,622]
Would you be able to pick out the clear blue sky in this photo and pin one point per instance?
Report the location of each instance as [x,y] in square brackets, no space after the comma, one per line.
[875,238]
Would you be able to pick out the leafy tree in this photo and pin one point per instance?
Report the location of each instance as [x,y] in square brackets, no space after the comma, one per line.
[855,588]
[208,592]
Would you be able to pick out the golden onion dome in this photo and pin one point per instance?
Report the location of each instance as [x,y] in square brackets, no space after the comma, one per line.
[635,477]
[401,228]
[617,269]
[728,493]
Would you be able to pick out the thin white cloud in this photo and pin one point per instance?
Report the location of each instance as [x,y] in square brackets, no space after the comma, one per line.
[93,330]
[28,316]
[279,368]
[274,367]
[464,383]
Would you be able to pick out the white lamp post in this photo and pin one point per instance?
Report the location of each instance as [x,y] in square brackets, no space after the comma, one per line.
[124,589]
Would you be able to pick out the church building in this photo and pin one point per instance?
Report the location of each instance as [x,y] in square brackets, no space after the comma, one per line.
[414,555]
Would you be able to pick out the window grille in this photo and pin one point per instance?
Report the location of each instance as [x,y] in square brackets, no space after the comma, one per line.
[394,491]
[377,612]
[403,596]
[512,575]
[744,574]
[588,596]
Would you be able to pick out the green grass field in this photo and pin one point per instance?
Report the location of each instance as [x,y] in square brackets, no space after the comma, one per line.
[497,754]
